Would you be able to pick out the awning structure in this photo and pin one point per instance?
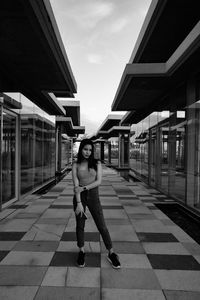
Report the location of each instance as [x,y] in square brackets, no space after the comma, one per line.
[111,127]
[68,127]
[33,59]
[72,109]
[167,48]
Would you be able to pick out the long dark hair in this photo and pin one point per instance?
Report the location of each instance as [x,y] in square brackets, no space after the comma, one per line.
[92,162]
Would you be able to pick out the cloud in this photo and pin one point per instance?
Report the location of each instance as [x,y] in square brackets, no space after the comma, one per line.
[118,25]
[94,58]
[87,14]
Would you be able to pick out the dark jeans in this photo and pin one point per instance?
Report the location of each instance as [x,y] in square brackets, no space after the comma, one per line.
[90,199]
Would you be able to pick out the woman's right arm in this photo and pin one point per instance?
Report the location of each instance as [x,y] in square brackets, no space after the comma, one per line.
[75,180]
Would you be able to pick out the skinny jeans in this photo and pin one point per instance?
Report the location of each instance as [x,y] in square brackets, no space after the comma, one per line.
[90,198]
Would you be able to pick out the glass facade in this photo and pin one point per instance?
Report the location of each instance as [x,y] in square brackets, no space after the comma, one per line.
[165,149]
[8,155]
[27,149]
[114,151]
[37,151]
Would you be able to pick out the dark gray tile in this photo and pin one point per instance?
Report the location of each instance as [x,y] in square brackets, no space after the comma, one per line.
[48,197]
[173,262]
[3,254]
[68,293]
[156,237]
[61,206]
[11,235]
[17,206]
[89,236]
[21,275]
[69,259]
[41,246]
[181,295]
[112,207]
[125,247]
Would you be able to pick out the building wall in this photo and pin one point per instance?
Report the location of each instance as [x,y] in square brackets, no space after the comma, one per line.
[27,149]
[165,150]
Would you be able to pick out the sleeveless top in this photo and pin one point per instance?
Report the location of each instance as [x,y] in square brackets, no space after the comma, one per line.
[86,176]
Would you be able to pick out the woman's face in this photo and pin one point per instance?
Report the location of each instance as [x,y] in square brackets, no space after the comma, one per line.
[87,151]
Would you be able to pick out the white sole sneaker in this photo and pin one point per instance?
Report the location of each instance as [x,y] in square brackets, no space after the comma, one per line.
[110,261]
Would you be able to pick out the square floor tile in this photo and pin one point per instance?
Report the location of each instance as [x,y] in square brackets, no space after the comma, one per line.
[68,293]
[29,275]
[18,292]
[27,258]
[165,248]
[55,276]
[89,236]
[3,254]
[181,295]
[136,261]
[83,277]
[173,262]
[179,280]
[11,236]
[156,237]
[125,247]
[69,259]
[41,246]
[129,279]
[131,294]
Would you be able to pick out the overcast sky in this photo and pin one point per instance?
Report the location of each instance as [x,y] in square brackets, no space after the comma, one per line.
[99,37]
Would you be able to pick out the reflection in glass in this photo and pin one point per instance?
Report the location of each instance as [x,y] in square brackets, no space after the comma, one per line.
[8,148]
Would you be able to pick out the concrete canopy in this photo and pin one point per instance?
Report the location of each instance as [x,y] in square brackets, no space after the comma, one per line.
[110,121]
[33,60]
[145,85]
[68,127]
[160,61]
[72,109]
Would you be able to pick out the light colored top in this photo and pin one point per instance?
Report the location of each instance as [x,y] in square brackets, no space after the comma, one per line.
[86,176]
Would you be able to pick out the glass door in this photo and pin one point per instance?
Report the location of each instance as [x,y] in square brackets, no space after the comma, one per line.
[8,157]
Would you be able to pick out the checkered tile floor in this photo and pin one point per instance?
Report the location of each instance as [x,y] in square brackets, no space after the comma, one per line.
[38,248]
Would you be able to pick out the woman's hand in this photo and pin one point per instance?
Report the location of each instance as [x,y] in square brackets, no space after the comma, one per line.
[78,189]
[79,209]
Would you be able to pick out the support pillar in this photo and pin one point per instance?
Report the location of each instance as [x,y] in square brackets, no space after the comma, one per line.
[109,153]
[102,151]
[124,145]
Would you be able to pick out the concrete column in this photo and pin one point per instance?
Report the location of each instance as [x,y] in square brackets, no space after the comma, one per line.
[190,143]
[102,151]
[124,144]
[109,152]
[58,147]
[172,154]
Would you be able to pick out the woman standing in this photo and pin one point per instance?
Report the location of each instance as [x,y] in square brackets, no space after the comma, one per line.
[87,176]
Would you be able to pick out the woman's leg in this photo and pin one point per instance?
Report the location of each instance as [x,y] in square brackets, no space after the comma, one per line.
[80,225]
[96,211]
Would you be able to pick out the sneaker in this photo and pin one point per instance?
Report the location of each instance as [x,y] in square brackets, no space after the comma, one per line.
[81,259]
[114,260]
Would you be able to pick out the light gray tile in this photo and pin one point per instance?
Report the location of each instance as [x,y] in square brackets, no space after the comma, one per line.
[165,248]
[129,294]
[83,277]
[27,258]
[129,279]
[55,276]
[179,280]
[18,292]
[29,275]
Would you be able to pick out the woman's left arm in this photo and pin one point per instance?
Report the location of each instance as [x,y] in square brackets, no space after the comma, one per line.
[94,184]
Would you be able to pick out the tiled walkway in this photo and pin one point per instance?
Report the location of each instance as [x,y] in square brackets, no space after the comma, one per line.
[38,248]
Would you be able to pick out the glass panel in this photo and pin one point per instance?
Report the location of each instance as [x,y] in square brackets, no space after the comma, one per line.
[27,153]
[153,154]
[8,157]
[114,151]
[177,157]
[164,131]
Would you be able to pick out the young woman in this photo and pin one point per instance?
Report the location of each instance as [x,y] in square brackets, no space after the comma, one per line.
[87,176]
